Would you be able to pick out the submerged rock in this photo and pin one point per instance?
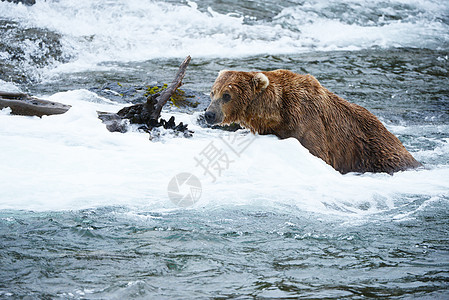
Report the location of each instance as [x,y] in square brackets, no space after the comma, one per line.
[113,122]
[25,50]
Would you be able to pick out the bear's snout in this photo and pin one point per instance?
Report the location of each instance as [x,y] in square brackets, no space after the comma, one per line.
[210,117]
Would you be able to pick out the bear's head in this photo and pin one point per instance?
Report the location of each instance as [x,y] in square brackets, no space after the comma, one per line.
[232,95]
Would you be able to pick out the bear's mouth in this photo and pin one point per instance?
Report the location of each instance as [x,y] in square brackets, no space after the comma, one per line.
[210,117]
[213,117]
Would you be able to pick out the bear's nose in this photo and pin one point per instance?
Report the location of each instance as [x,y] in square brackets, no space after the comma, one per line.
[210,117]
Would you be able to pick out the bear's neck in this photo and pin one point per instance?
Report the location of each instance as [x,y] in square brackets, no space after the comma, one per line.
[263,114]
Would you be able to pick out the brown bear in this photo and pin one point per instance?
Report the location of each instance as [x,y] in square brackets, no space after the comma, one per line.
[345,135]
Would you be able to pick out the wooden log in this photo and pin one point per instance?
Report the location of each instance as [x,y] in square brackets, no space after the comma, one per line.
[25,105]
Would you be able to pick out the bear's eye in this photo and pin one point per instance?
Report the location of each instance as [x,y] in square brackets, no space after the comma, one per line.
[226,97]
[212,94]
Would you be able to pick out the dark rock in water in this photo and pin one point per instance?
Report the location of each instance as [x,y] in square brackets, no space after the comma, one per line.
[121,94]
[25,105]
[140,114]
[26,2]
[189,101]
[17,62]
[113,122]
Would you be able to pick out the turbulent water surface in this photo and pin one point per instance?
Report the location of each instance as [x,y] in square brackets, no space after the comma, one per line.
[86,214]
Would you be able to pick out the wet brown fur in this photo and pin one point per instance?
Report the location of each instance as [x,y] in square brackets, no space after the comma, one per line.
[345,135]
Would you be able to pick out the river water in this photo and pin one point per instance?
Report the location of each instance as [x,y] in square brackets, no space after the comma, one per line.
[87,214]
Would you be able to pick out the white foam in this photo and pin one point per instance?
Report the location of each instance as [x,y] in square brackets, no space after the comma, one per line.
[365,30]
[71,161]
[100,31]
[8,87]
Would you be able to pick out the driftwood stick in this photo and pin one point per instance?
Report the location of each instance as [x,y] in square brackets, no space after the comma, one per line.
[168,92]
[23,104]
[149,112]
[13,96]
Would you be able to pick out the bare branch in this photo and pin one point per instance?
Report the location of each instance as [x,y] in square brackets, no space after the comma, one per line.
[170,90]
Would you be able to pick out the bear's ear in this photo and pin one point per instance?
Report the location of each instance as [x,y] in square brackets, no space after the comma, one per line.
[260,81]
[222,72]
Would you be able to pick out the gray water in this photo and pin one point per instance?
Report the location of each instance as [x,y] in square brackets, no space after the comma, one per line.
[250,250]
[243,252]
